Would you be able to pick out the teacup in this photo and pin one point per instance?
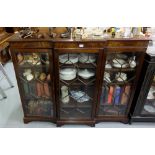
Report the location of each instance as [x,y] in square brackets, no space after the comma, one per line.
[121,77]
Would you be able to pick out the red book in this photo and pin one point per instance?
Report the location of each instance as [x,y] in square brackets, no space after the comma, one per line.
[110,95]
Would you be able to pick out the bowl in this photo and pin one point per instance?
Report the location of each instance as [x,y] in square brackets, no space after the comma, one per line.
[86,74]
[121,77]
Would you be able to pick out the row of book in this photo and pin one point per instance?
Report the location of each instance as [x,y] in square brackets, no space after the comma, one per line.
[115,95]
[38,89]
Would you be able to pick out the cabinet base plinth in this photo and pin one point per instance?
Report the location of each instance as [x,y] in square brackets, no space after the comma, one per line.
[142,119]
[124,119]
[69,122]
[27,120]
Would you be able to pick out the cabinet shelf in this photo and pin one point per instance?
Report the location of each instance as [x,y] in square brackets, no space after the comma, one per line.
[32,66]
[113,105]
[74,104]
[38,107]
[118,83]
[119,69]
[78,65]
[75,113]
[78,82]
[112,110]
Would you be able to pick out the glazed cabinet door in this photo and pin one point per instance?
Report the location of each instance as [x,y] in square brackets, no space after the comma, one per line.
[120,72]
[77,83]
[147,107]
[34,72]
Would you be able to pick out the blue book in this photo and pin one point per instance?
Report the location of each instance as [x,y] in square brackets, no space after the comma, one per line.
[117,95]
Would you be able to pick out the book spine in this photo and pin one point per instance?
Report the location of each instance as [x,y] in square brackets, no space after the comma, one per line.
[125,95]
[110,95]
[106,95]
[117,95]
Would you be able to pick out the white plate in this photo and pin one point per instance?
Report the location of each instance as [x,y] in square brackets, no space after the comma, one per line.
[68,71]
[68,74]
[73,58]
[149,108]
[86,58]
[67,77]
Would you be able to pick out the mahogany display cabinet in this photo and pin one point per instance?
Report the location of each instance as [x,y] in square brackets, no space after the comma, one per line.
[143,107]
[77,81]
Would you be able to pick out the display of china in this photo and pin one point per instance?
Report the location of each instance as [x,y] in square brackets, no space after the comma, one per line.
[68,73]
[121,77]
[107,77]
[151,93]
[136,31]
[127,32]
[33,59]
[78,33]
[64,94]
[108,65]
[149,108]
[42,77]
[132,62]
[28,74]
[36,59]
[120,63]
[79,96]
[36,75]
[68,58]
[87,58]
[85,73]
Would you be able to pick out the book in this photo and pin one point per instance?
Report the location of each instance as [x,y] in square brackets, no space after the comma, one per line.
[117,95]
[110,95]
[125,95]
[105,101]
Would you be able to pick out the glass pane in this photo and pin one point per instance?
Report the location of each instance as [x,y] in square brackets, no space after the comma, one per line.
[149,106]
[77,84]
[118,78]
[35,82]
